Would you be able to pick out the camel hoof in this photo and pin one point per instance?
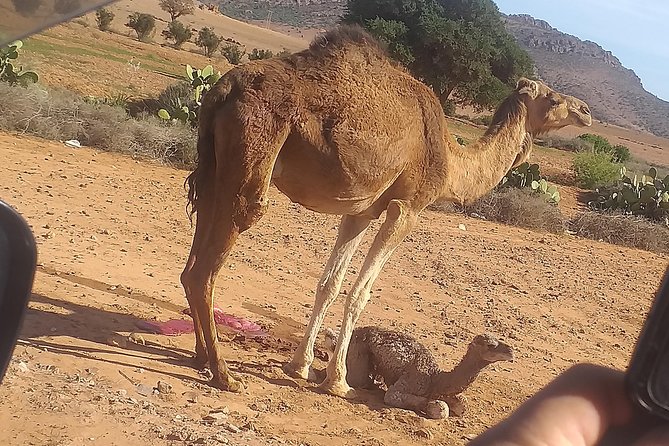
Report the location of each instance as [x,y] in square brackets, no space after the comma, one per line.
[298,372]
[340,389]
[229,384]
[437,410]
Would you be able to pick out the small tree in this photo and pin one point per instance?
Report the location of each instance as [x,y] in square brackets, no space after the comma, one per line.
[233,53]
[208,41]
[104,17]
[177,8]
[143,24]
[178,32]
[257,54]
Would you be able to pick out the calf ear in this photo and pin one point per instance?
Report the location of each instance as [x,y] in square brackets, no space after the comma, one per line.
[528,87]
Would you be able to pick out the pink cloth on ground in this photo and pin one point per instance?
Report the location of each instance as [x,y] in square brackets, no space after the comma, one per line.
[176,327]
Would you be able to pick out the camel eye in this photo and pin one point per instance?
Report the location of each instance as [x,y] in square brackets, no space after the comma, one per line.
[585,110]
[555,102]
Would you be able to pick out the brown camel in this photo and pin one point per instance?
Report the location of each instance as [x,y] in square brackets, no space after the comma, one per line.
[340,129]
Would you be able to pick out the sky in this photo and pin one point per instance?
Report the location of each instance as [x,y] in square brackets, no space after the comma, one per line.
[635,31]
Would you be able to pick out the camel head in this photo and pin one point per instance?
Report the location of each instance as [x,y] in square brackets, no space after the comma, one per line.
[549,110]
[487,348]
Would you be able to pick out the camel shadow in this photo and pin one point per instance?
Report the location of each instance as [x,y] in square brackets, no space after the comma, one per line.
[272,372]
[92,325]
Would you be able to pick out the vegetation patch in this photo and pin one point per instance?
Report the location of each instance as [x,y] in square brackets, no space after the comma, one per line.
[625,230]
[519,207]
[594,170]
[60,115]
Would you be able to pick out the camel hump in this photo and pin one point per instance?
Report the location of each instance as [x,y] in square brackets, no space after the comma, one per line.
[344,36]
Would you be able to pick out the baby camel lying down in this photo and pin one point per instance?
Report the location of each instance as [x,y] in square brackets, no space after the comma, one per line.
[414,379]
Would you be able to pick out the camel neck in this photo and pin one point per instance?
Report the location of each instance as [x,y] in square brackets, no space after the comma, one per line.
[476,169]
[457,380]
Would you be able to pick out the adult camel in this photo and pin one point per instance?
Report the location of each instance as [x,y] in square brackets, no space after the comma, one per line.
[340,129]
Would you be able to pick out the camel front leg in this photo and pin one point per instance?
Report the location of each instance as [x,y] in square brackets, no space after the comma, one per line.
[351,231]
[400,219]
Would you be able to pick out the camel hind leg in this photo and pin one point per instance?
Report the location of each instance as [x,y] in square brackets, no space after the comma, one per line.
[235,200]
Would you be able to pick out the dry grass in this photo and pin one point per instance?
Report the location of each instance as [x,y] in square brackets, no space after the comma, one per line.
[61,115]
[625,230]
[516,207]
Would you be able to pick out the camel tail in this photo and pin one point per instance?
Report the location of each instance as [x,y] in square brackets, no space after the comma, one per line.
[202,178]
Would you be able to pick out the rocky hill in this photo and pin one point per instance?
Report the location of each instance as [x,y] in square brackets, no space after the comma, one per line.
[581,68]
[585,69]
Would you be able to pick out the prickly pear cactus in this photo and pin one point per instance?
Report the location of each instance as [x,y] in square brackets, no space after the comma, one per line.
[9,72]
[201,81]
[528,175]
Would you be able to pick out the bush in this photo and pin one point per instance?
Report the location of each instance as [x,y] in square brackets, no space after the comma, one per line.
[178,32]
[257,54]
[60,115]
[143,24]
[208,41]
[619,153]
[595,170]
[519,207]
[234,53]
[449,107]
[177,8]
[104,18]
[625,230]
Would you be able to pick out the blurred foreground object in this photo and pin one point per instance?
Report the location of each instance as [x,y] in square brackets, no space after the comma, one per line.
[21,18]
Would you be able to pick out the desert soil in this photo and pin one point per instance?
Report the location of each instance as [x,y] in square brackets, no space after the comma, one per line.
[113,237]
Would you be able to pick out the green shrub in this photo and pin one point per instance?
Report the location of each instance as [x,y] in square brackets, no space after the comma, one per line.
[104,18]
[619,153]
[234,53]
[11,74]
[178,32]
[449,107]
[257,54]
[143,24]
[208,41]
[595,170]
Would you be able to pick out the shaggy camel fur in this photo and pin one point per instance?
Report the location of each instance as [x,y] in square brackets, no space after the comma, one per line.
[408,369]
[340,129]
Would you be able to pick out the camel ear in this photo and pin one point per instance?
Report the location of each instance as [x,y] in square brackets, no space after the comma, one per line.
[528,87]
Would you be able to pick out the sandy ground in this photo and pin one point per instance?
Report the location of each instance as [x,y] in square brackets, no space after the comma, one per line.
[113,238]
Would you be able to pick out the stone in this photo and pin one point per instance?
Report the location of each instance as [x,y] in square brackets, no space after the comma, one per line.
[164,387]
[424,433]
[144,390]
